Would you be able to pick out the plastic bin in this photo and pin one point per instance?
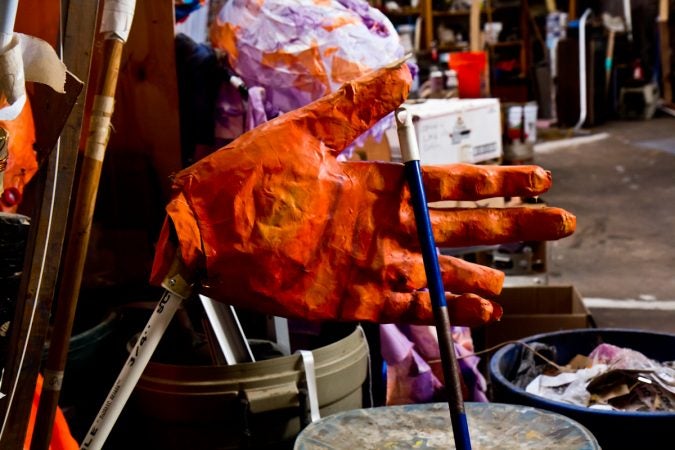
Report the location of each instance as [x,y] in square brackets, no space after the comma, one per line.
[469,67]
[613,429]
[427,426]
[257,405]
[520,126]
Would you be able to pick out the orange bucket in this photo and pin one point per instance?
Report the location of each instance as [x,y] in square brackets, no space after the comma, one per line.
[469,67]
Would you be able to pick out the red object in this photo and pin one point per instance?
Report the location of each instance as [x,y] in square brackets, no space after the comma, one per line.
[22,160]
[11,197]
[469,67]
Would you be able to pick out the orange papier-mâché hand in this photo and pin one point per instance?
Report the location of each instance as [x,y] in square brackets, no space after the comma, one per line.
[274,222]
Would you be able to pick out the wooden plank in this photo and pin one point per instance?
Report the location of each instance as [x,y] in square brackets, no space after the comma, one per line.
[55,109]
[43,25]
[43,253]
[147,112]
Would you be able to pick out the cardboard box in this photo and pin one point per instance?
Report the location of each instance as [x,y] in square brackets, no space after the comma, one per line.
[454,130]
[530,310]
[373,150]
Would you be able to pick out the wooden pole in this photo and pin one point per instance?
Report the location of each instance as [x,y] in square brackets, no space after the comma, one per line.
[427,15]
[52,188]
[608,60]
[76,252]
[475,44]
[572,10]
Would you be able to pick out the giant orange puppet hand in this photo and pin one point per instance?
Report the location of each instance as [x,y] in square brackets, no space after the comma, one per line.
[274,222]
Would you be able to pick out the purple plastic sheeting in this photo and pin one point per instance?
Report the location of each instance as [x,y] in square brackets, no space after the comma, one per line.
[301,50]
[408,351]
[620,358]
[255,114]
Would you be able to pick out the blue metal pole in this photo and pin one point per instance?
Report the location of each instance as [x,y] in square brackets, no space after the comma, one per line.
[413,173]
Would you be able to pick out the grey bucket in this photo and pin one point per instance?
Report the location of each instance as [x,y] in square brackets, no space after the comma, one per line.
[247,405]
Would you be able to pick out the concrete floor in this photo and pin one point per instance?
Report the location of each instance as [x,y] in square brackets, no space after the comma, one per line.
[622,189]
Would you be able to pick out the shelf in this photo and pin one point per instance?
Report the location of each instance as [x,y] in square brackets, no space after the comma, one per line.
[457,13]
[402,12]
[517,43]
[453,48]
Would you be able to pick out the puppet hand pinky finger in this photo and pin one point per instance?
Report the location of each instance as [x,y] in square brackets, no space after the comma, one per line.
[468,310]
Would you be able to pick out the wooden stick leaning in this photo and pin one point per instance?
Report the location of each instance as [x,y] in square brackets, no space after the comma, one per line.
[75,256]
[57,139]
[177,288]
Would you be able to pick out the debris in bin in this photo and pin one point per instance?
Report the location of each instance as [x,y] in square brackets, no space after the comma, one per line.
[609,378]
[530,366]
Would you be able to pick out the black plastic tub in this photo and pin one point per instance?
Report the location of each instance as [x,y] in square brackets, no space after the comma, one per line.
[612,429]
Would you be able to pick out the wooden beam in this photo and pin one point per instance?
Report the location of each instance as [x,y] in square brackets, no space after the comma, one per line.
[427,14]
[48,225]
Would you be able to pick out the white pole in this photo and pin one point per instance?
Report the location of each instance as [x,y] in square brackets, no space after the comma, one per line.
[7,18]
[131,372]
[228,331]
[582,70]
[628,17]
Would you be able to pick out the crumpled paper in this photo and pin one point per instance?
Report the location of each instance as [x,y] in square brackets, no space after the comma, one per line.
[615,378]
[27,58]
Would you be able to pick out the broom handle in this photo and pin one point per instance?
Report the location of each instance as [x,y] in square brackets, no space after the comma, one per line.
[411,158]
[76,252]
